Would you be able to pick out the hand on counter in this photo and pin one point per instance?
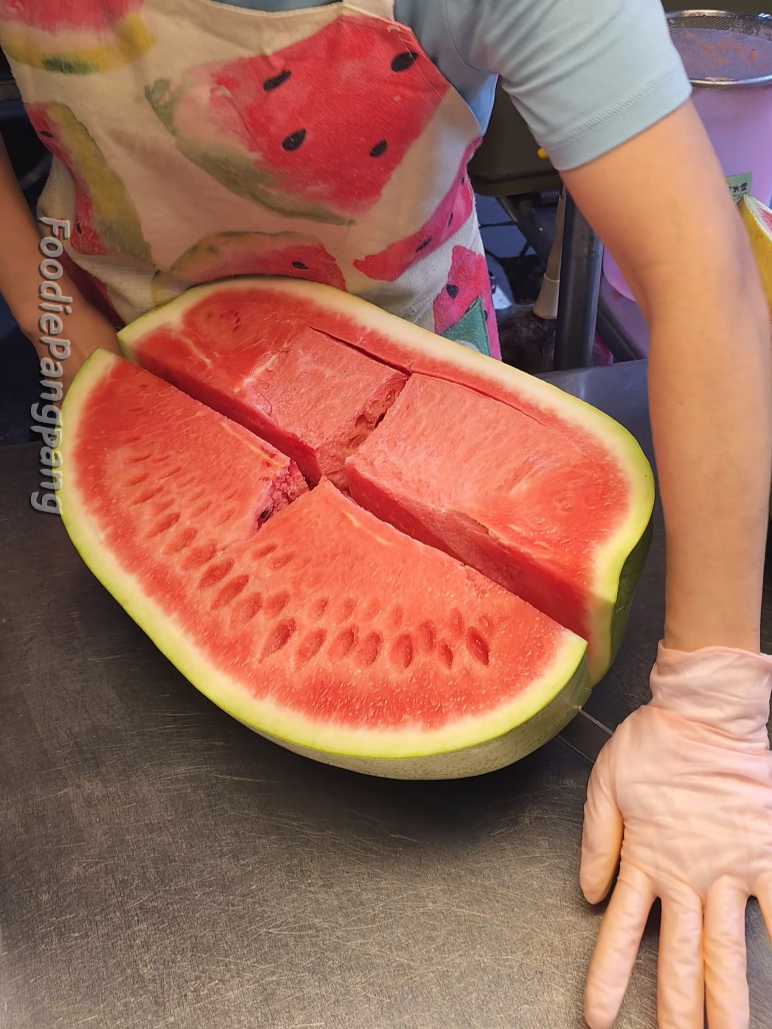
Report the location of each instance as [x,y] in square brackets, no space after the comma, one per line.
[684,791]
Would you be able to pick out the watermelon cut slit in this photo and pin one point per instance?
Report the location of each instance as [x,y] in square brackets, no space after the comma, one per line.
[312,396]
[518,500]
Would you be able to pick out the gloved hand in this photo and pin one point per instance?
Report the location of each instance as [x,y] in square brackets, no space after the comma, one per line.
[684,789]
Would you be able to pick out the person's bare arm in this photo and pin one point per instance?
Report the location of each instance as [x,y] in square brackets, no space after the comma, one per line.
[20,280]
[662,206]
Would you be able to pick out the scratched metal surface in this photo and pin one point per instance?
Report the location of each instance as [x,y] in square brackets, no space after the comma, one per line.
[162,866]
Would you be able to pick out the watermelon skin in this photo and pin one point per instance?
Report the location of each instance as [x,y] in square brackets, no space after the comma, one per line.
[311,625]
[105,217]
[616,562]
[311,396]
[517,501]
[452,212]
[251,123]
[228,254]
[74,38]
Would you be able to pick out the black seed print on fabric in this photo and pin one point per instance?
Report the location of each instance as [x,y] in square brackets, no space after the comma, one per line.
[451,290]
[379,149]
[299,264]
[423,246]
[276,81]
[404,60]
[293,141]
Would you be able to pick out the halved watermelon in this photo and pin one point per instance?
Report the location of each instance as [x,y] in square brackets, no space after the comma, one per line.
[592,557]
[319,626]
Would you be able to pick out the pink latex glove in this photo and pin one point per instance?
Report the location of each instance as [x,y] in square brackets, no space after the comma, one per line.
[684,790]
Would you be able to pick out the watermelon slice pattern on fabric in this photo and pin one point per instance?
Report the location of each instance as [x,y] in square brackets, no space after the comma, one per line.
[105,217]
[463,309]
[600,562]
[314,130]
[319,626]
[518,501]
[74,38]
[452,212]
[310,395]
[228,254]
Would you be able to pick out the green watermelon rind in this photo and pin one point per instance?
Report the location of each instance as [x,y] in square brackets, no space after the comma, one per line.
[619,562]
[465,748]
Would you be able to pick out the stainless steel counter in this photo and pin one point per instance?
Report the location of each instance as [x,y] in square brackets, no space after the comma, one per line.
[162,866]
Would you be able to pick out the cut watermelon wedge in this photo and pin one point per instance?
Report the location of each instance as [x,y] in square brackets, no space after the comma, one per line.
[517,500]
[310,395]
[319,626]
[585,577]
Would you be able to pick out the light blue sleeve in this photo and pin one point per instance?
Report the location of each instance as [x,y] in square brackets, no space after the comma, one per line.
[587,75]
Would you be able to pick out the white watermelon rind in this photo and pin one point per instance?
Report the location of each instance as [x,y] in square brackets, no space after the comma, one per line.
[467,747]
[619,559]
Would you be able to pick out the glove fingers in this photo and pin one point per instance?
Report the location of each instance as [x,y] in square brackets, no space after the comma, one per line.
[617,946]
[602,834]
[680,973]
[726,985]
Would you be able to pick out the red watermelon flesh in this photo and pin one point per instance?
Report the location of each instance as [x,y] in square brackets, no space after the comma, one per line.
[332,116]
[56,15]
[310,395]
[157,487]
[453,211]
[324,627]
[517,500]
[468,280]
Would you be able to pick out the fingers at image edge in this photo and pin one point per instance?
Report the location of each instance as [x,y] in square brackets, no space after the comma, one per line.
[726,983]
[617,947]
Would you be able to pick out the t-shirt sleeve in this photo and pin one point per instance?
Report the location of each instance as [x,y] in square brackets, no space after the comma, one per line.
[587,75]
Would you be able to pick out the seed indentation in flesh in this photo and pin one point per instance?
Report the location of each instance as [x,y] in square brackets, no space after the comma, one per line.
[445,654]
[343,644]
[251,606]
[276,603]
[215,573]
[477,646]
[182,540]
[426,636]
[396,616]
[278,637]
[146,495]
[137,480]
[310,645]
[456,625]
[320,606]
[402,651]
[164,524]
[282,560]
[347,608]
[228,593]
[199,556]
[369,649]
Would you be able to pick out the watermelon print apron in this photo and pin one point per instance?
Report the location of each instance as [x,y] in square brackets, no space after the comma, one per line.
[194,140]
